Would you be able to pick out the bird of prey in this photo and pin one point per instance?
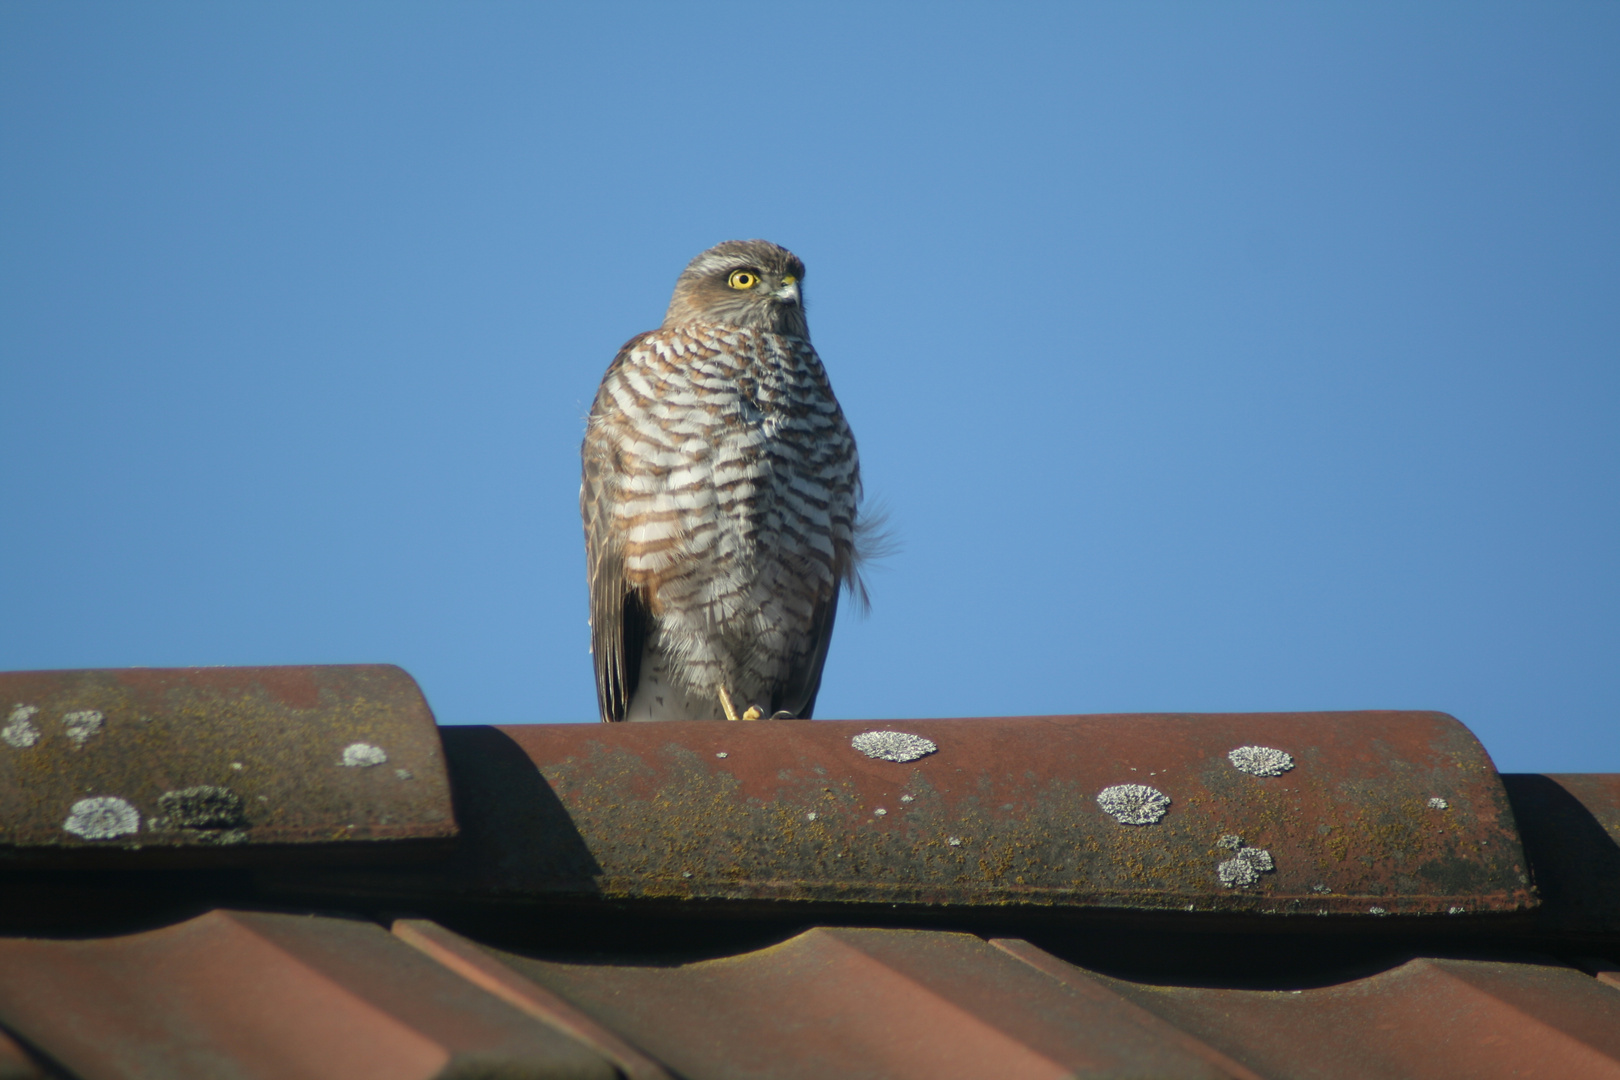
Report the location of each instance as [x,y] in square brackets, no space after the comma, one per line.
[720,494]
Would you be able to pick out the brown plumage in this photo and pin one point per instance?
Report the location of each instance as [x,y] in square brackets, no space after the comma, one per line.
[719,496]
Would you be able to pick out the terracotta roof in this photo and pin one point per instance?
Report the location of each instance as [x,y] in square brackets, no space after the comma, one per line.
[1283,895]
[180,764]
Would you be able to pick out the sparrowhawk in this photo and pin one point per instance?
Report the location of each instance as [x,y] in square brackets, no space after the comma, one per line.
[719,495]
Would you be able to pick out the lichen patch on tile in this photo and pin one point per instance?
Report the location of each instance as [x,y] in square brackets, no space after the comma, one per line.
[81,724]
[1260,760]
[1245,867]
[1133,804]
[202,807]
[102,818]
[893,745]
[20,730]
[363,755]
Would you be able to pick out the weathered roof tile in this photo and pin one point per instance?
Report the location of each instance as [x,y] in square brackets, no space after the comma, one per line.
[158,766]
[1379,813]
[240,994]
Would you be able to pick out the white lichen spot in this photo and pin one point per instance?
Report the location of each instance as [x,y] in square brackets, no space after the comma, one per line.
[893,745]
[20,730]
[1235,872]
[1245,867]
[363,755]
[1260,760]
[1133,804]
[879,812]
[1376,911]
[1437,803]
[237,765]
[1230,841]
[908,798]
[721,753]
[1319,887]
[81,724]
[954,841]
[811,816]
[404,774]
[686,873]
[102,818]
[1456,911]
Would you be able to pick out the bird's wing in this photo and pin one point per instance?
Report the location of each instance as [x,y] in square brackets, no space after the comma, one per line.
[619,615]
[618,629]
[798,693]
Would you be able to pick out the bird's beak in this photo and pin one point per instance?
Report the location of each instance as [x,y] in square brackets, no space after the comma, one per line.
[789,292]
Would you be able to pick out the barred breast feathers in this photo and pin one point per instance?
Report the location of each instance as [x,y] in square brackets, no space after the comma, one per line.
[706,425]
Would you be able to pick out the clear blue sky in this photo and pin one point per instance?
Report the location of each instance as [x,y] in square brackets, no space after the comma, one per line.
[1208,357]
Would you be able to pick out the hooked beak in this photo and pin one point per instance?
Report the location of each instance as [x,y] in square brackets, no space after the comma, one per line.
[789,292]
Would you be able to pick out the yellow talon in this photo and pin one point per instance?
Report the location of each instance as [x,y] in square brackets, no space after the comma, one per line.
[754,711]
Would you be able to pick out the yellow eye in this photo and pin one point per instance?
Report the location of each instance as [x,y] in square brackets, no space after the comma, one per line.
[742,279]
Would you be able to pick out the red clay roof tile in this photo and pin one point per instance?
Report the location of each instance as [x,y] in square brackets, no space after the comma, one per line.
[153,766]
[236,994]
[480,967]
[1478,1019]
[16,1063]
[869,1003]
[1375,813]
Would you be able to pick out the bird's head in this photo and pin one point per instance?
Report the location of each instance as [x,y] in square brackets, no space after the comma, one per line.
[747,284]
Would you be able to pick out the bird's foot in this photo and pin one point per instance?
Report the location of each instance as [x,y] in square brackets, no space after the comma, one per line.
[753,712]
[731,710]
